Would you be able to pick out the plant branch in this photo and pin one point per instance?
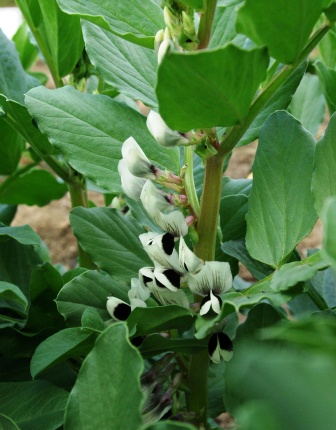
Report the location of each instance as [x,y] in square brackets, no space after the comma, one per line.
[205,26]
[189,179]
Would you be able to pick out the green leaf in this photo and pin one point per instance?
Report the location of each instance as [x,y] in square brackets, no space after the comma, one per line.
[169,425]
[7,213]
[308,104]
[130,68]
[88,291]
[237,249]
[17,261]
[234,301]
[216,387]
[263,21]
[144,321]
[27,51]
[31,11]
[232,212]
[11,147]
[223,29]
[280,100]
[328,81]
[324,177]
[63,35]
[33,405]
[114,390]
[35,187]
[329,223]
[155,344]
[91,320]
[13,305]
[282,171]
[7,423]
[14,81]
[300,377]
[260,316]
[216,87]
[327,48]
[133,20]
[111,240]
[18,117]
[199,5]
[22,234]
[68,343]
[93,130]
[299,271]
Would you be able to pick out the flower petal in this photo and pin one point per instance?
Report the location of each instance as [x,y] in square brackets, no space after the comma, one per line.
[214,275]
[174,222]
[153,199]
[161,250]
[167,278]
[136,161]
[118,309]
[220,345]
[164,135]
[131,185]
[189,261]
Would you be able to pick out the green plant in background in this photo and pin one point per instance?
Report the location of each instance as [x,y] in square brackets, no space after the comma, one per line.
[144,333]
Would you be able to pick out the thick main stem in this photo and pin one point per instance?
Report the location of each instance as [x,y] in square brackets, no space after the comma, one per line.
[204,32]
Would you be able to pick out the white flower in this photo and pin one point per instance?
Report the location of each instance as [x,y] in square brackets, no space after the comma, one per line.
[220,345]
[136,161]
[214,276]
[138,294]
[159,38]
[130,184]
[188,260]
[160,248]
[211,301]
[118,309]
[155,202]
[164,135]
[167,278]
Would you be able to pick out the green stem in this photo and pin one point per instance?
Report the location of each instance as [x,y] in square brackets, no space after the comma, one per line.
[209,210]
[189,179]
[205,26]
[197,399]
[78,197]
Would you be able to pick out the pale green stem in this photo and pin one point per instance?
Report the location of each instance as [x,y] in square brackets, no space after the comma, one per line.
[189,183]
[204,31]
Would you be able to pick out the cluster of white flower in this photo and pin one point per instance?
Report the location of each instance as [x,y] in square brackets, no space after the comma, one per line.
[173,272]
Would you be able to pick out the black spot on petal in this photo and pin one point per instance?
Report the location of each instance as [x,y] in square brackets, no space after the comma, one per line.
[212,345]
[173,277]
[146,279]
[122,312]
[159,284]
[168,243]
[225,342]
[205,299]
[185,267]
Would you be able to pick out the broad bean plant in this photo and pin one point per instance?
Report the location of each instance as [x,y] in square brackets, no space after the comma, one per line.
[155,329]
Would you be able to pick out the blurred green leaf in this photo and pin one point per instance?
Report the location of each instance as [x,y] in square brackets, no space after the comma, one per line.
[328,81]
[156,344]
[35,187]
[264,22]
[13,305]
[329,223]
[7,213]
[168,425]
[308,103]
[324,176]
[11,147]
[223,29]
[233,210]
[7,423]
[27,51]
[22,234]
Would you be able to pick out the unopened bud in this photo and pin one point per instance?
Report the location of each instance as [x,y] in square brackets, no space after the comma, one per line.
[188,24]
[159,38]
[166,46]
[171,21]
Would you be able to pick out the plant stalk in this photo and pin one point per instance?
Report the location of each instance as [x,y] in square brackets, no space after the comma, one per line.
[78,197]
[205,26]
[189,183]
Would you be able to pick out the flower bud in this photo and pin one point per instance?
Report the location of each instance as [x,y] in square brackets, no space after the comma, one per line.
[131,185]
[171,21]
[188,24]
[166,46]
[159,38]
[164,135]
